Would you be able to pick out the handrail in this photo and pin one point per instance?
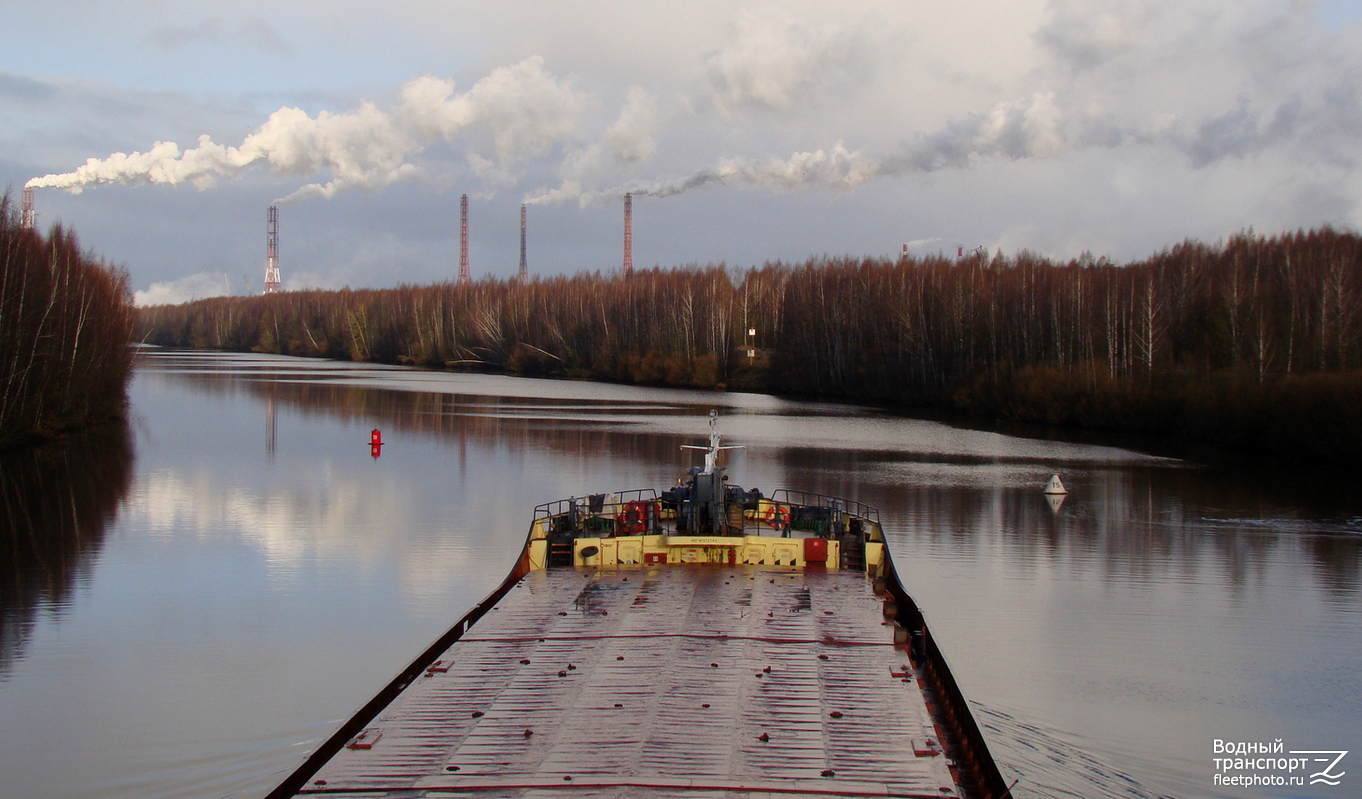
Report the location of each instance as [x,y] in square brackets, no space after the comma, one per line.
[621,499]
[582,504]
[787,496]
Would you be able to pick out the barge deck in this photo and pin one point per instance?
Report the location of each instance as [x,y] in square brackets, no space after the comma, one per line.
[660,682]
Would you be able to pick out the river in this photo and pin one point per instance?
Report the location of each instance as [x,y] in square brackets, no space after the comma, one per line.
[191,603]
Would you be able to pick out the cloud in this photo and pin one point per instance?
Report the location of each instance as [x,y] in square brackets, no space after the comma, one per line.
[185,289]
[1206,80]
[773,63]
[513,113]
[365,148]
[628,141]
[630,138]
[1087,35]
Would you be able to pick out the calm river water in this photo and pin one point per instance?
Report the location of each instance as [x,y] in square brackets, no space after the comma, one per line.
[190,604]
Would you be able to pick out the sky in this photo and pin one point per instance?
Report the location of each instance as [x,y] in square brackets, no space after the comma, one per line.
[747,132]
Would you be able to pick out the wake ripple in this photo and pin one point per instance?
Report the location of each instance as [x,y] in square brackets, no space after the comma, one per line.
[1050,763]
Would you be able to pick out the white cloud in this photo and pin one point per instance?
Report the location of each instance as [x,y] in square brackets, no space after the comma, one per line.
[184,289]
[631,136]
[518,110]
[629,140]
[774,63]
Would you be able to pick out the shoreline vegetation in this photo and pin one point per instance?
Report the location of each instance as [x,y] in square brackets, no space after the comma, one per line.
[66,322]
[1253,344]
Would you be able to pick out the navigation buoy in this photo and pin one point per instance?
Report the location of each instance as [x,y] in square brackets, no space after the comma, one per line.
[1052,487]
[375,443]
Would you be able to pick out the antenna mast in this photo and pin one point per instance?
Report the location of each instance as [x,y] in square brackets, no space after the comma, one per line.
[27,218]
[272,250]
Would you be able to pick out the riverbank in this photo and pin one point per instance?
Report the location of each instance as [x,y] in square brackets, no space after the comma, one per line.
[1255,343]
[66,320]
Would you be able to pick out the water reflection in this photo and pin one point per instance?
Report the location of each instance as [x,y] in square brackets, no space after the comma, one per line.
[1104,643]
[559,415]
[55,504]
[1138,517]
[271,428]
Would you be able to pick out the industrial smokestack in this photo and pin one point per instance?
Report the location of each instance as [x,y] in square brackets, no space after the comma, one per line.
[27,216]
[524,267]
[272,250]
[628,267]
[464,276]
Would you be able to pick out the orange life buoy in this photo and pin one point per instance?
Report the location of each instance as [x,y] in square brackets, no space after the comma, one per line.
[633,518]
[777,516]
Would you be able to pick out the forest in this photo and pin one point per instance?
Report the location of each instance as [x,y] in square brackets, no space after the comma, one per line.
[1255,342]
[66,322]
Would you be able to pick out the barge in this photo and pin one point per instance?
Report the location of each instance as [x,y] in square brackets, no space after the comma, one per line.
[701,641]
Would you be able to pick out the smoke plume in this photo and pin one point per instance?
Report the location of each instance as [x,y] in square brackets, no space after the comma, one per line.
[1014,130]
[514,112]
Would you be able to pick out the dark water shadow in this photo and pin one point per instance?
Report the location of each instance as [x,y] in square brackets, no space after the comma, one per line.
[55,503]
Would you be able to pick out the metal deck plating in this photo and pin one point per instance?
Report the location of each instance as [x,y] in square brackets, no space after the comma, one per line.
[672,681]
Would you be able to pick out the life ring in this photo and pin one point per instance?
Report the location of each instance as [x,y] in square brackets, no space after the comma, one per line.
[633,518]
[778,516]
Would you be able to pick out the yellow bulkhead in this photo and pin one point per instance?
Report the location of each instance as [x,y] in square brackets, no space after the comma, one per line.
[764,550]
[685,549]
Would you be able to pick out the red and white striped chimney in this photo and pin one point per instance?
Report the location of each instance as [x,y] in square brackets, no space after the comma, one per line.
[628,268]
[464,276]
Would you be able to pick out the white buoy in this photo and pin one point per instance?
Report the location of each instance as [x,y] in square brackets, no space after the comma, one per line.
[1055,486]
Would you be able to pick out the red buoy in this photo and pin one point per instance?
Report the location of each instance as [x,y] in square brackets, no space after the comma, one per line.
[375,438]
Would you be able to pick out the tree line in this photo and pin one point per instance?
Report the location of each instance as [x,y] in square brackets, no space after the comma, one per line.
[66,323]
[1254,341]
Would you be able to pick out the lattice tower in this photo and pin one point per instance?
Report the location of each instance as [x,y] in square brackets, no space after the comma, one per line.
[28,218]
[272,251]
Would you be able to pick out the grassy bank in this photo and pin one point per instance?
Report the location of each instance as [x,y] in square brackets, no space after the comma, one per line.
[66,320]
[1254,343]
